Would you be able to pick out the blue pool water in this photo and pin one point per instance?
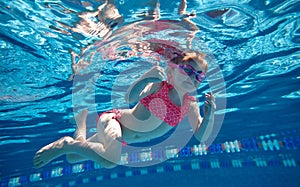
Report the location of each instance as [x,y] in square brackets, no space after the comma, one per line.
[253,48]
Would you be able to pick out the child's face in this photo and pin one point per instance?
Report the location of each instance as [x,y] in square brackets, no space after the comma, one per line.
[185,82]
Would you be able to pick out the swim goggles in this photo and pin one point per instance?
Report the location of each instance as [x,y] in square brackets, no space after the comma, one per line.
[189,70]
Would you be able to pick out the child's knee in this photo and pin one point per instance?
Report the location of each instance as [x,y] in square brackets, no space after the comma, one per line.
[113,129]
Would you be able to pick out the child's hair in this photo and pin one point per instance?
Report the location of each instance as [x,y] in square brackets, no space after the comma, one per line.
[185,57]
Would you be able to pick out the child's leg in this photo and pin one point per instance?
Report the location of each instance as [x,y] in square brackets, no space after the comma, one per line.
[96,138]
[79,135]
[80,132]
[103,148]
[50,152]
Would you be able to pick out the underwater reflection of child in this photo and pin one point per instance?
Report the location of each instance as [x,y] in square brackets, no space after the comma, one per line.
[161,105]
[102,22]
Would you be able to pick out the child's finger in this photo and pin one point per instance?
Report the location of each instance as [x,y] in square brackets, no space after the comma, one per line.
[210,96]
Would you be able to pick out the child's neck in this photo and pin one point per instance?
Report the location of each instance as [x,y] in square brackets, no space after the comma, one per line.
[176,97]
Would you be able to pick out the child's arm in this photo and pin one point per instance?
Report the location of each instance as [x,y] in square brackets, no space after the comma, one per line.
[203,127]
[145,84]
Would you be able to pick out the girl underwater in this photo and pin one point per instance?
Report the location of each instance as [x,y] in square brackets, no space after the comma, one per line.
[161,105]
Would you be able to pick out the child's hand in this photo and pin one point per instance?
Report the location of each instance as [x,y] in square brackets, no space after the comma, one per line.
[209,104]
[156,73]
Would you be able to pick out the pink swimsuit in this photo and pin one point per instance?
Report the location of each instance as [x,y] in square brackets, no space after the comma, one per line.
[161,105]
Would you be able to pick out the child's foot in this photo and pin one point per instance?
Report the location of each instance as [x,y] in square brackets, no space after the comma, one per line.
[50,152]
[80,132]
